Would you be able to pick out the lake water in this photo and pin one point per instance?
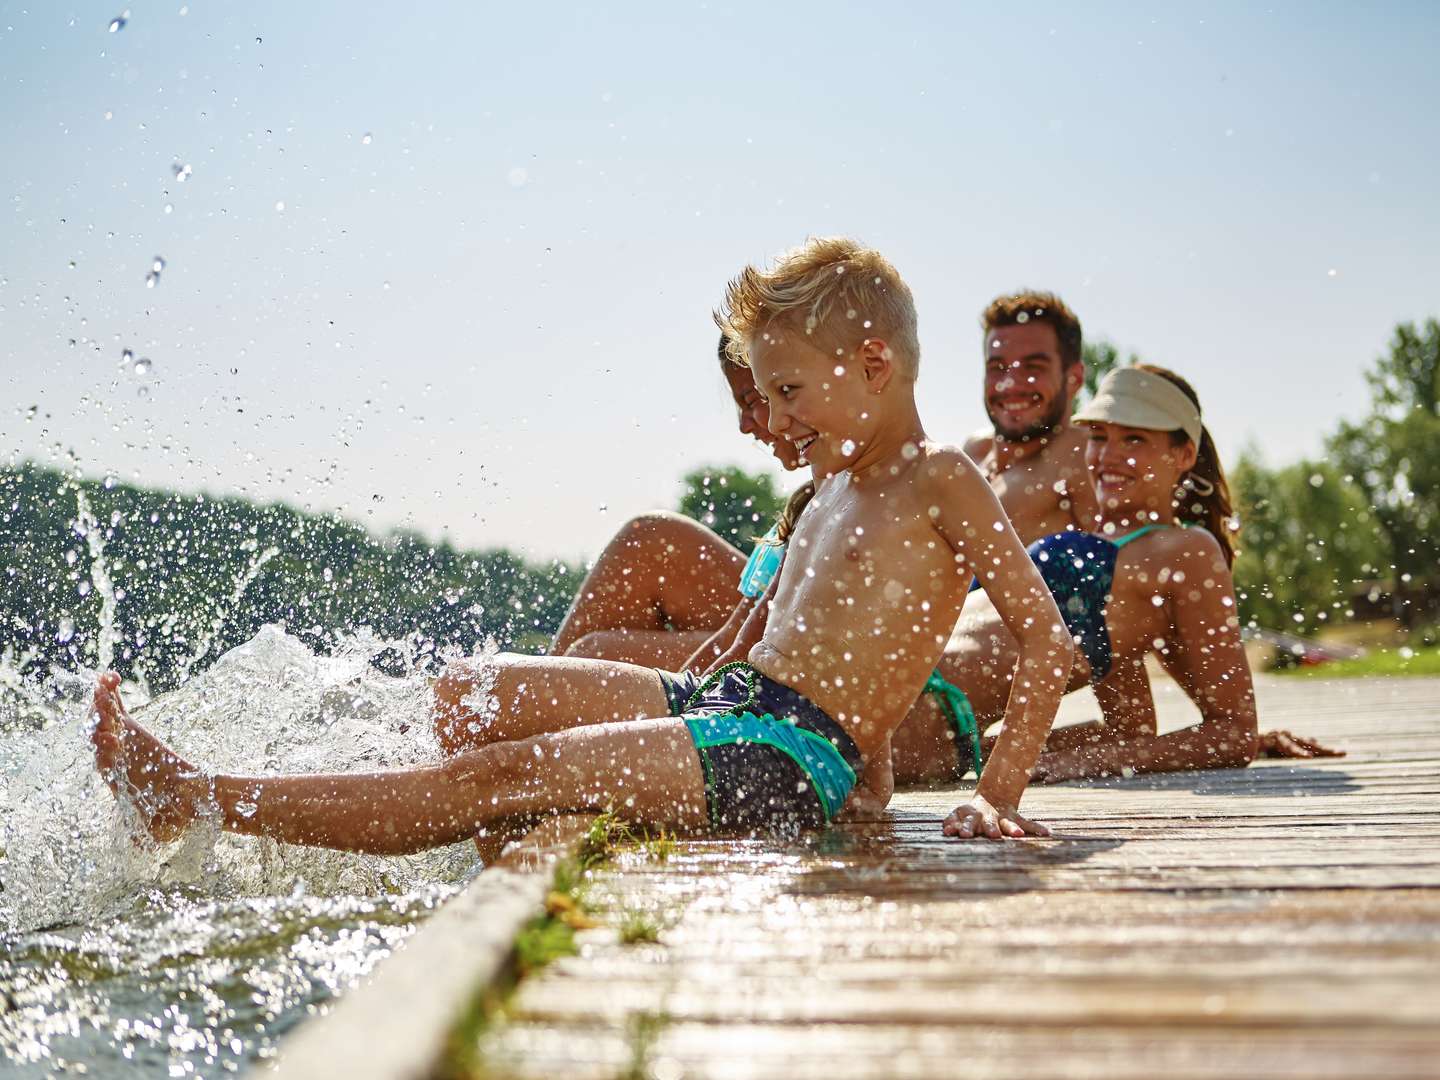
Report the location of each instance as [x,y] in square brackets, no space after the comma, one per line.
[118,958]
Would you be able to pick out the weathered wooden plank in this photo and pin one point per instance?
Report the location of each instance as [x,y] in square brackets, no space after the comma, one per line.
[1281,920]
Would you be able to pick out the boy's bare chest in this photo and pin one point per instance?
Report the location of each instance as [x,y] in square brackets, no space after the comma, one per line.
[867,547]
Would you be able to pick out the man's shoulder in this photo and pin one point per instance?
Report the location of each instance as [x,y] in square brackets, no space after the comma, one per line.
[1063,455]
[979,443]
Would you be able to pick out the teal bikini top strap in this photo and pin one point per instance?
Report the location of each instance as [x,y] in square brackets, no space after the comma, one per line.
[1137,534]
[957,705]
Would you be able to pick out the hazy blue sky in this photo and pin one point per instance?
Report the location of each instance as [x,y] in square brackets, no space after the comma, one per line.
[491,317]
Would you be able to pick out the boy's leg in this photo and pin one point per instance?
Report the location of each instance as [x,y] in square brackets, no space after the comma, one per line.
[647,770]
[661,571]
[533,695]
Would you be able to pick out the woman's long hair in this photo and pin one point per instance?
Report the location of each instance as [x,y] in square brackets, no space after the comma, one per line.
[1215,511]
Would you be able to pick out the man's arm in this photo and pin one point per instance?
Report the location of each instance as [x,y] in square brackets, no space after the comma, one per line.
[970,518]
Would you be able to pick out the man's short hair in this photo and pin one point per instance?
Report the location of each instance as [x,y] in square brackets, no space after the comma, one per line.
[1045,307]
[835,291]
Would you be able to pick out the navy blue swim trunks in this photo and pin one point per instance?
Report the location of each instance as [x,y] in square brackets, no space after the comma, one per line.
[774,762]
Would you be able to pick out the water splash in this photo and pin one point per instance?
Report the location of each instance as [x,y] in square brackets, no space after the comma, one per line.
[223,612]
[88,529]
[68,850]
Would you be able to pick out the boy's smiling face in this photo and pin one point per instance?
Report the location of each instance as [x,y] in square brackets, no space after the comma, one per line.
[817,402]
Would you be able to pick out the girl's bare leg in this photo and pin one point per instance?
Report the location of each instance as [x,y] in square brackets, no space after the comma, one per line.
[647,770]
[667,649]
[661,571]
[510,696]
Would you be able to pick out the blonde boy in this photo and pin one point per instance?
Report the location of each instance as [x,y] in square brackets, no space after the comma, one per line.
[871,586]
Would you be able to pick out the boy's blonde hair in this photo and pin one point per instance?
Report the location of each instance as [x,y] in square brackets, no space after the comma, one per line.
[832,289]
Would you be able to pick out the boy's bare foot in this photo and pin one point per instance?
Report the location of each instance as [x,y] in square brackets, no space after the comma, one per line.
[163,786]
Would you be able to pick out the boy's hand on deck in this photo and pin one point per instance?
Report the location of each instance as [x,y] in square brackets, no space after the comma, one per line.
[979,818]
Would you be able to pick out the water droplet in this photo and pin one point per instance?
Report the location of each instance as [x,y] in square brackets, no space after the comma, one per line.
[30,412]
[152,279]
[909,451]
[169,209]
[142,366]
[280,205]
[66,630]
[182,172]
[386,286]
[259,41]
[604,507]
[847,447]
[118,23]
[157,264]
[366,139]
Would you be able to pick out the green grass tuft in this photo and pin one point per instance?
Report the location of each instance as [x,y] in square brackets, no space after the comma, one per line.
[1393,661]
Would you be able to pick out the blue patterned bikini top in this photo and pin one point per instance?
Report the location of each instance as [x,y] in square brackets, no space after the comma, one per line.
[1079,569]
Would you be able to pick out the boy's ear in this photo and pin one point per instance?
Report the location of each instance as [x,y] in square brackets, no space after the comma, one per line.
[876,363]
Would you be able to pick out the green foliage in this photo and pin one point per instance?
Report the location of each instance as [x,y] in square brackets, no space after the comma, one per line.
[1309,539]
[1404,660]
[178,563]
[739,506]
[543,940]
[639,928]
[1392,456]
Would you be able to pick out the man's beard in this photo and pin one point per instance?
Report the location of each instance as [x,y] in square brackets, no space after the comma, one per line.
[1046,425]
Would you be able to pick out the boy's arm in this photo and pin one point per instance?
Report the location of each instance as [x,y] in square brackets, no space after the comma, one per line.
[1215,675]
[969,516]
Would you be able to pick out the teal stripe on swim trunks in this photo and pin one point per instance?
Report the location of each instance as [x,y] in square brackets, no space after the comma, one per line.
[956,706]
[827,770]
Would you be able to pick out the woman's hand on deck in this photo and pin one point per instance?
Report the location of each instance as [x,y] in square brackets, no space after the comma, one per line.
[979,818]
[1282,744]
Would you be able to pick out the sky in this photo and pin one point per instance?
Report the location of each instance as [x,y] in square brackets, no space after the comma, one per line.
[452,268]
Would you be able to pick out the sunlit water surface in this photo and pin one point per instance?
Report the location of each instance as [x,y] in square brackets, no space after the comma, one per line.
[121,959]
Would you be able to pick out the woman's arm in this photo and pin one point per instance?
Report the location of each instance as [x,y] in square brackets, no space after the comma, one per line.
[1208,660]
[1126,709]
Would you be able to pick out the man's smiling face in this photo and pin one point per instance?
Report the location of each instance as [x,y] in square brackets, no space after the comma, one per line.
[1028,390]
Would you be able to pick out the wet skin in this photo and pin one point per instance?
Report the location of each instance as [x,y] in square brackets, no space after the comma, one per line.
[1033,458]
[905,523]
[665,585]
[1173,595]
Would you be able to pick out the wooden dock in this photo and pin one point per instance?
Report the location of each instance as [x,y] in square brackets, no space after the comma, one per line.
[1281,920]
